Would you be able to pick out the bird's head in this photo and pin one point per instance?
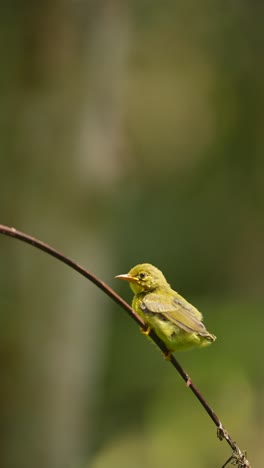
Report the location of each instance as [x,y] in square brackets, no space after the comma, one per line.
[143,278]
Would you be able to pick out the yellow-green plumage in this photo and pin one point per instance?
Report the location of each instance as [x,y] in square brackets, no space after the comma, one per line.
[175,321]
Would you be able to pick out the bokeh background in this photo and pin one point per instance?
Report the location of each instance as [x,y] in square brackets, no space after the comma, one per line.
[130,132]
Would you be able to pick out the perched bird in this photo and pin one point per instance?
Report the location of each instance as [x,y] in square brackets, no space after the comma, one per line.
[175,321]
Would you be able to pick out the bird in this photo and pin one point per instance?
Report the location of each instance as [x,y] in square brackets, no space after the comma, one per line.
[174,320]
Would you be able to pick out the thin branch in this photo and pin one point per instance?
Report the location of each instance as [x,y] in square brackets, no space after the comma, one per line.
[238,457]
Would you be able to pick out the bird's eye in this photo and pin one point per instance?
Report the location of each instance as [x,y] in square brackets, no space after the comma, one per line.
[142,275]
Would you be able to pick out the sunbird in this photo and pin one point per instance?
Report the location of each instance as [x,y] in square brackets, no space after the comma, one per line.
[175,321]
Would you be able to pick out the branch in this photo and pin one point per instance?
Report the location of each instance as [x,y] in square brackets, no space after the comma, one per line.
[238,457]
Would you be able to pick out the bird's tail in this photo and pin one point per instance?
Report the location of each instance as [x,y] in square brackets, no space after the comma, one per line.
[210,337]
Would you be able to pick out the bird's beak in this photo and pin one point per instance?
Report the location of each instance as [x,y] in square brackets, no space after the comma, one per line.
[127,277]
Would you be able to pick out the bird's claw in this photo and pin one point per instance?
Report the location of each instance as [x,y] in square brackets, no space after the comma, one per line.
[147,331]
[167,356]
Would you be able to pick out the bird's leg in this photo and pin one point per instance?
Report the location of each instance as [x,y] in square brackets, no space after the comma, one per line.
[147,331]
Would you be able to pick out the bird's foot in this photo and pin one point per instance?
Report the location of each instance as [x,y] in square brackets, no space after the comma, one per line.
[167,356]
[147,331]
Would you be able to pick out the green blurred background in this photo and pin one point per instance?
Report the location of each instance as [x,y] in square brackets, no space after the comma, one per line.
[130,132]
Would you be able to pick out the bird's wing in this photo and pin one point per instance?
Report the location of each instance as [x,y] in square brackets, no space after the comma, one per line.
[176,309]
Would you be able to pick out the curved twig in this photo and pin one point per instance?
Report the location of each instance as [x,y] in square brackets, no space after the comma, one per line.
[238,457]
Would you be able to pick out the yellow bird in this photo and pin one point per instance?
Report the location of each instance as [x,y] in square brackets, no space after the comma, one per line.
[175,321]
